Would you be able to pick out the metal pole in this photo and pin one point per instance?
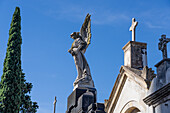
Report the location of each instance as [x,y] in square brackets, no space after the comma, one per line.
[55,100]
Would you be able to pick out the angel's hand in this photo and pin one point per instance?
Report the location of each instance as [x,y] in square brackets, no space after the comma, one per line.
[69,50]
[76,51]
[72,52]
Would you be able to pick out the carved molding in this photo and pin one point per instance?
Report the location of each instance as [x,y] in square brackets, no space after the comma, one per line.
[160,96]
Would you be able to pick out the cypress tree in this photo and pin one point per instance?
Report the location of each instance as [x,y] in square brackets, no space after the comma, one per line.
[11,78]
[14,88]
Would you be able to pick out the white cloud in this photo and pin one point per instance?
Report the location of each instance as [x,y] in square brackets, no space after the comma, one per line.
[78,14]
[152,26]
[70,13]
[155,18]
[110,18]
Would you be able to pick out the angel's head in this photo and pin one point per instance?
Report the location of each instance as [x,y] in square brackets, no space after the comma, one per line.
[75,35]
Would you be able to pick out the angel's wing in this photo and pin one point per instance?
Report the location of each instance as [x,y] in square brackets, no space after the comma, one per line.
[85,31]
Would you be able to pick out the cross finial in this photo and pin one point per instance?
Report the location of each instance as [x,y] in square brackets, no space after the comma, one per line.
[132,28]
[162,45]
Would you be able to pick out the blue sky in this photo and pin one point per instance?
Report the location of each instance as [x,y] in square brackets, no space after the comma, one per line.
[46,28]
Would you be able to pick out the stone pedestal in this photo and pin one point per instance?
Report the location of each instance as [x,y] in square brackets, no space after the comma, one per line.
[83,100]
[135,55]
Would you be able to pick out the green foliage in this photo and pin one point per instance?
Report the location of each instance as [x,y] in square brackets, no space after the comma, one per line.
[10,80]
[27,106]
[14,89]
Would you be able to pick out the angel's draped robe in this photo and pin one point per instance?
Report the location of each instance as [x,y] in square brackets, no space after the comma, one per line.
[82,66]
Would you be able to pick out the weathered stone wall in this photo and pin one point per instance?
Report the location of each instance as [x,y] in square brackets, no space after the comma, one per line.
[131,96]
[135,55]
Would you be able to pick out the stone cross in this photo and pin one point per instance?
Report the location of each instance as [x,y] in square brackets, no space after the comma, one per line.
[55,100]
[162,45]
[132,28]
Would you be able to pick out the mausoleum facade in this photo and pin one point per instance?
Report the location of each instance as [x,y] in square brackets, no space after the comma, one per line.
[137,88]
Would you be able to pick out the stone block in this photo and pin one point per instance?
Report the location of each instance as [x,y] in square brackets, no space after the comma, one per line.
[162,76]
[85,100]
[100,106]
[72,101]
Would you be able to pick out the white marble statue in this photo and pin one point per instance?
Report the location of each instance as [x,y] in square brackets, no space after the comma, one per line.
[77,50]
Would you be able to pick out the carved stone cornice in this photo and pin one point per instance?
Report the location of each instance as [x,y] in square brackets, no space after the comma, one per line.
[159,63]
[160,96]
[132,42]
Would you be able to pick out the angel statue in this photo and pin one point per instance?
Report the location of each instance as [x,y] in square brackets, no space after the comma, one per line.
[81,41]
